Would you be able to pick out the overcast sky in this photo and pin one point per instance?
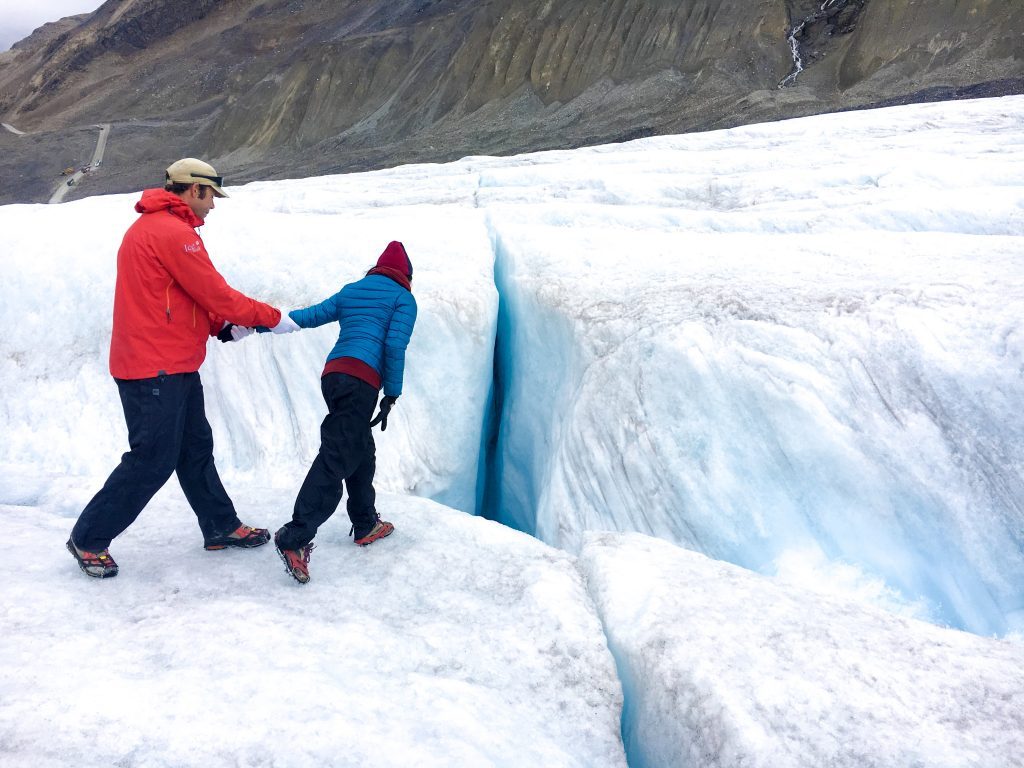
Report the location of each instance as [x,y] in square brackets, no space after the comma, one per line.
[19,17]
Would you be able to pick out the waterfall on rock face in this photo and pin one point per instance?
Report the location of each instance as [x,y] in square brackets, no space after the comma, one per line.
[794,45]
[828,13]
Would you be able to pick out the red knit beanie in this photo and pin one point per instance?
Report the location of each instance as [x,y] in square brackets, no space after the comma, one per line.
[396,258]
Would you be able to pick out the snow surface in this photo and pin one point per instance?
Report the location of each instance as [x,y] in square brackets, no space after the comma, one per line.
[461,642]
[793,347]
[738,670]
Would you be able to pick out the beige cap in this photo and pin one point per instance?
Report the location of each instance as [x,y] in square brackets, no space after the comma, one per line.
[188,170]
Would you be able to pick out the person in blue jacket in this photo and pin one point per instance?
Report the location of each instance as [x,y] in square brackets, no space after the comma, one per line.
[376,315]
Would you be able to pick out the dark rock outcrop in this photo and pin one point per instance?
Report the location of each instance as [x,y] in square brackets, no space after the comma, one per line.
[286,88]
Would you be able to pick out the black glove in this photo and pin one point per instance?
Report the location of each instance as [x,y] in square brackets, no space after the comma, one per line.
[233,332]
[386,404]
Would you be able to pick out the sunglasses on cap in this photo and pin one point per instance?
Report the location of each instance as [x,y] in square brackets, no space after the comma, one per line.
[218,180]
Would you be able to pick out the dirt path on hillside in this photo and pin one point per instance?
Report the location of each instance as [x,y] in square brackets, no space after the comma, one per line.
[76,177]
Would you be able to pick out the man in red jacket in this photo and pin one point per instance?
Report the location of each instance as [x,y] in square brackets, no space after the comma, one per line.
[168,300]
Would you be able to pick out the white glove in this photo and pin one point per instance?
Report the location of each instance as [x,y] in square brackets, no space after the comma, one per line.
[239,332]
[287,325]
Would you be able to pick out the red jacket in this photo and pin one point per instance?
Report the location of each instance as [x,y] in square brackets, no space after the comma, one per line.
[169,298]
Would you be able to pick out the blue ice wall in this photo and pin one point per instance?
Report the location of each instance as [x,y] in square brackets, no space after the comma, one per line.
[529,397]
[754,442]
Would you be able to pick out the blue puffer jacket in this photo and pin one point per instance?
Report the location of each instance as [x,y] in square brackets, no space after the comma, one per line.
[377,316]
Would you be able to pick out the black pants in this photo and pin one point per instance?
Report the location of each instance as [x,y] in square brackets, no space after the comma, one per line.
[167,432]
[347,453]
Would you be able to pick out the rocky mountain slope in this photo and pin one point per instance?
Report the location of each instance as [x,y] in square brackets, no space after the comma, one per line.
[289,88]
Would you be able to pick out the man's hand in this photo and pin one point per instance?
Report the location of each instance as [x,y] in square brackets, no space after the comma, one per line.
[232,332]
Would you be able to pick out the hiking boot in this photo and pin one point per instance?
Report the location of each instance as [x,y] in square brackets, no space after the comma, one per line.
[380,529]
[243,536]
[296,561]
[99,565]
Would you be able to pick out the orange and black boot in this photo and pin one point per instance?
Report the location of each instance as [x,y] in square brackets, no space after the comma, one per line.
[296,561]
[243,536]
[380,529]
[99,565]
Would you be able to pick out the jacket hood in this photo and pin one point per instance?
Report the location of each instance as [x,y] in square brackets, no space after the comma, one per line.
[395,257]
[156,200]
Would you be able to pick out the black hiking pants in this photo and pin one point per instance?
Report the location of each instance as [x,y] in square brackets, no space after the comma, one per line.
[167,433]
[347,454]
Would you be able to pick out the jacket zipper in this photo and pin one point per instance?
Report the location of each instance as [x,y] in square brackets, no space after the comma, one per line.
[167,293]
